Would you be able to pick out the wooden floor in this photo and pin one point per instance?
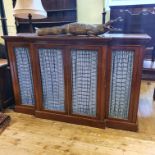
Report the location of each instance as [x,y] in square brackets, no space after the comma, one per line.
[28,135]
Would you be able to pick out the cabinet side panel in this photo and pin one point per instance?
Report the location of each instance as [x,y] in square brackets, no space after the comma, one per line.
[120,84]
[84,82]
[52,75]
[24,72]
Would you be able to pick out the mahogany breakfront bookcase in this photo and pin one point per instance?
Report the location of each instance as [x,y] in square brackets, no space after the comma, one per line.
[92,81]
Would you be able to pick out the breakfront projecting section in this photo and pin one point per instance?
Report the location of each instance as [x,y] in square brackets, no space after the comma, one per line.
[67,78]
[83,80]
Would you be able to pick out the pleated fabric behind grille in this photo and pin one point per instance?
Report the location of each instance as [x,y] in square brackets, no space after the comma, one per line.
[52,74]
[84,82]
[24,75]
[120,86]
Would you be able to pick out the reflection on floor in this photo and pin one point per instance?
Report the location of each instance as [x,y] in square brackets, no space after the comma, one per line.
[147,108]
[149,64]
[28,135]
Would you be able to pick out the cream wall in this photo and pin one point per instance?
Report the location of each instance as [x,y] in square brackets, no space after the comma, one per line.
[9,15]
[1,33]
[10,19]
[90,11]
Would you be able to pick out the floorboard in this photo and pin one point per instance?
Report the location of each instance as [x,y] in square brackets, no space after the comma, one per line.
[28,135]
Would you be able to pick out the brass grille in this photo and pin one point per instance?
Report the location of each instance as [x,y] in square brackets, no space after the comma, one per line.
[52,74]
[120,85]
[24,75]
[84,81]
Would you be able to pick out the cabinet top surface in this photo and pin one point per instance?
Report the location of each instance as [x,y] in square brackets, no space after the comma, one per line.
[133,5]
[126,36]
[104,38]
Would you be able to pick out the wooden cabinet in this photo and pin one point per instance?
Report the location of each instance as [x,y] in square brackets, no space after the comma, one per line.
[92,81]
[6,97]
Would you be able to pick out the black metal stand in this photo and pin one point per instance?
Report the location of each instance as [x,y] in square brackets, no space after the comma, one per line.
[3,18]
[30,23]
[103,16]
[4,24]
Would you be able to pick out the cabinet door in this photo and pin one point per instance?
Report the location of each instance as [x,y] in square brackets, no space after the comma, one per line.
[51,78]
[86,66]
[125,69]
[21,70]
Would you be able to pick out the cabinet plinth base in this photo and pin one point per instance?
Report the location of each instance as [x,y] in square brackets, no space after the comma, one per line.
[24,109]
[70,119]
[122,125]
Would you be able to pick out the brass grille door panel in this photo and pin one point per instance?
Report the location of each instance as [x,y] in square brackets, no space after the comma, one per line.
[52,76]
[24,74]
[120,84]
[84,82]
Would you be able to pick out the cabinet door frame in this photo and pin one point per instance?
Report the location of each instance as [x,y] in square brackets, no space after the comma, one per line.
[19,107]
[101,80]
[135,85]
[38,79]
